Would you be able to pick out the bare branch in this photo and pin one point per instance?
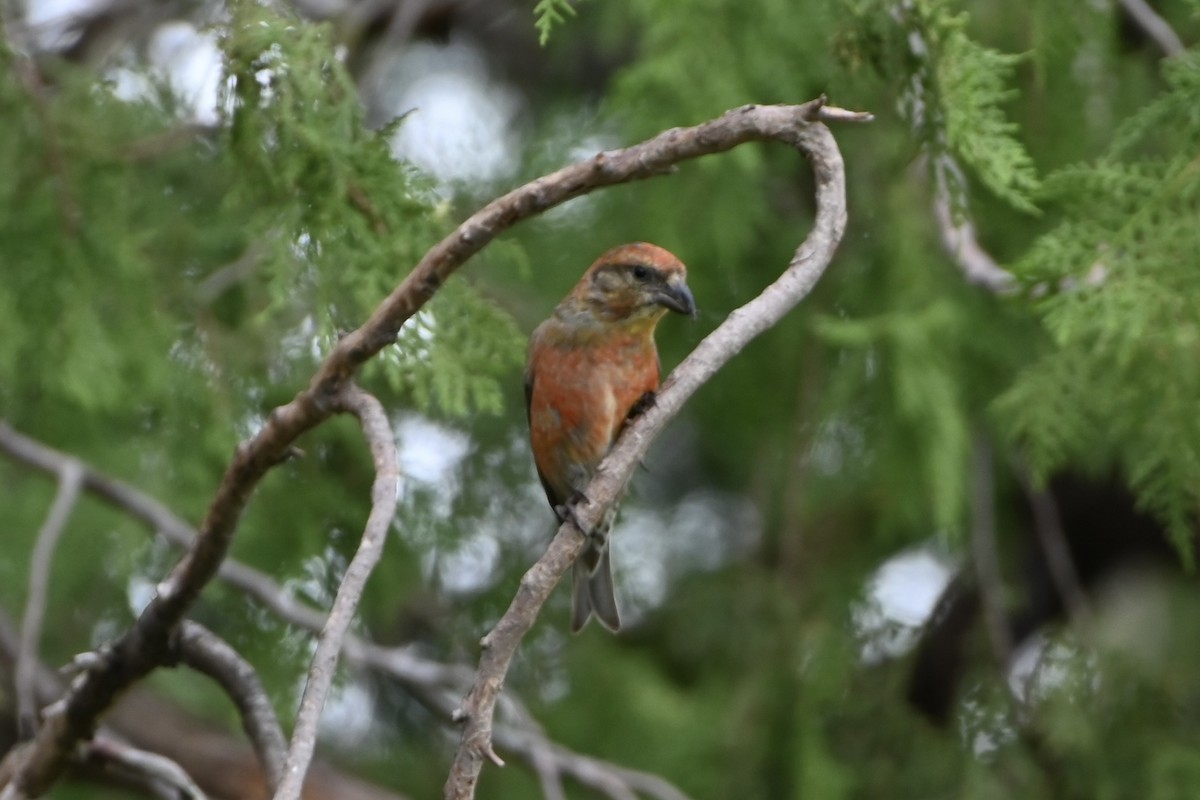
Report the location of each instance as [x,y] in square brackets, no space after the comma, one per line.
[798,127]
[70,476]
[954,222]
[150,768]
[142,719]
[145,646]
[958,230]
[991,594]
[205,652]
[437,685]
[226,277]
[107,747]
[985,554]
[163,521]
[1154,26]
[552,761]
[379,436]
[1047,525]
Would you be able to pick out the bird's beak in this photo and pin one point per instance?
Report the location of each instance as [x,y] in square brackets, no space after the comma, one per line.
[676,296]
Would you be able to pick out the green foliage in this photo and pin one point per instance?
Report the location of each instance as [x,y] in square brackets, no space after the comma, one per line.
[957,92]
[910,344]
[362,219]
[473,344]
[165,283]
[1119,272]
[547,14]
[972,84]
[148,335]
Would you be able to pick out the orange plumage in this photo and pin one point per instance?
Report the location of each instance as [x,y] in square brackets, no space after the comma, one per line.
[591,365]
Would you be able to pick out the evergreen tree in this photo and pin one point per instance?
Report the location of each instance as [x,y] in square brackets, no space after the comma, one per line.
[1018,277]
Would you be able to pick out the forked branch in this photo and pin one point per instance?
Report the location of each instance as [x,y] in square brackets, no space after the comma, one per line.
[378,433]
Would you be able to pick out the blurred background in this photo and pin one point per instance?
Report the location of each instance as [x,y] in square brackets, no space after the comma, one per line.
[991,396]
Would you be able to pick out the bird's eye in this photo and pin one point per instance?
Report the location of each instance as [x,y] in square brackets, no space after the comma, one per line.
[641,273]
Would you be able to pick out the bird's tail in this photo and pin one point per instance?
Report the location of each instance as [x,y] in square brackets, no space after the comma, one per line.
[593,593]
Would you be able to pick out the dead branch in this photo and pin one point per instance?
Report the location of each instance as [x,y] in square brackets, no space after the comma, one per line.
[207,653]
[219,764]
[1154,26]
[955,226]
[69,478]
[985,554]
[1047,524]
[154,773]
[438,686]
[379,436]
[149,768]
[957,230]
[797,126]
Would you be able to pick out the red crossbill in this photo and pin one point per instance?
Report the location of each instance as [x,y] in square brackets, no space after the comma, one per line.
[592,365]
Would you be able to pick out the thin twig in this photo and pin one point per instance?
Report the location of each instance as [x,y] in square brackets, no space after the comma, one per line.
[1154,26]
[957,230]
[438,686]
[1047,524]
[986,556]
[150,768]
[798,127]
[207,653]
[950,211]
[165,779]
[226,277]
[616,783]
[141,720]
[382,441]
[991,593]
[70,477]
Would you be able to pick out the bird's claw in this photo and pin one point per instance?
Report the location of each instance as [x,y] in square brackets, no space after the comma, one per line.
[643,404]
[566,512]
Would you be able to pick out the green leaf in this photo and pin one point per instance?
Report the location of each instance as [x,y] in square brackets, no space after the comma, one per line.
[547,14]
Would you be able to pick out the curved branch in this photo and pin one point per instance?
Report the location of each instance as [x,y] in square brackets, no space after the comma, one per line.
[800,127]
[207,653]
[957,229]
[955,226]
[145,646]
[379,436]
[1154,26]
[70,475]
[150,768]
[438,686]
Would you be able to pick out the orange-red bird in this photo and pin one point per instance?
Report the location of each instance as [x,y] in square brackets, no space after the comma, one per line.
[591,367]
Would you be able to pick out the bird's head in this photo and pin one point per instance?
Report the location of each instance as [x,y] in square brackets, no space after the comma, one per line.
[634,285]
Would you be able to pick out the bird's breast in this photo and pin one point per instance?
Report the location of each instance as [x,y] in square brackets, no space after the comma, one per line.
[581,398]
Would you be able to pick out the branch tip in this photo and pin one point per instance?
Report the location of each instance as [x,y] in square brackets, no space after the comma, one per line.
[834,114]
[493,756]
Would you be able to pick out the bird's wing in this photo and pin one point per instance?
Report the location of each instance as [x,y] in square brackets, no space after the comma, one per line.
[551,495]
[529,395]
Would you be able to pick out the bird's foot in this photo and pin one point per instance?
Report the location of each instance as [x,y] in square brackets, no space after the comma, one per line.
[566,512]
[643,404]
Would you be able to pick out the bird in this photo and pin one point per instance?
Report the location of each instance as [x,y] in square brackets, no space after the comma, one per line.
[591,367]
